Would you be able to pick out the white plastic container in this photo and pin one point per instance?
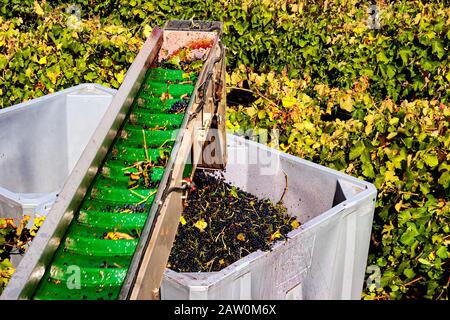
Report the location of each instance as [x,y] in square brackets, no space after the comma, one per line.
[323,259]
[40,142]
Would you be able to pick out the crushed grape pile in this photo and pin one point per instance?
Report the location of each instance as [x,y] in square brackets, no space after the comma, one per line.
[222,224]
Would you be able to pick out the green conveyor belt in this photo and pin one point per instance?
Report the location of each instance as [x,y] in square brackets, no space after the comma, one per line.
[111,205]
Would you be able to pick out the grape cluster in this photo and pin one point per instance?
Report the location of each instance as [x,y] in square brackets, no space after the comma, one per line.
[143,184]
[178,107]
[164,64]
[135,208]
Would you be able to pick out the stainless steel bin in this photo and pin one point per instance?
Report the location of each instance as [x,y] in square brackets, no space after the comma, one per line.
[40,142]
[323,259]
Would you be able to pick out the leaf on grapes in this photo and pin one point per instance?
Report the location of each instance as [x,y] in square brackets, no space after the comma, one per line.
[275,235]
[234,192]
[240,237]
[201,225]
[295,224]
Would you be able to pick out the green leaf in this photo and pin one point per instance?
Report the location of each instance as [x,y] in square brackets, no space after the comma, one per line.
[234,192]
[357,150]
[367,170]
[409,273]
[442,252]
[90,76]
[381,57]
[408,237]
[425,262]
[444,180]
[390,71]
[431,160]
[404,55]
[437,48]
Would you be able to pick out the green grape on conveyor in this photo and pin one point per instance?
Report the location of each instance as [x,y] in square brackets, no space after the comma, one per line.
[100,242]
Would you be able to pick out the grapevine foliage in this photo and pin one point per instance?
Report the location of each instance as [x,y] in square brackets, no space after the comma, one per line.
[371,102]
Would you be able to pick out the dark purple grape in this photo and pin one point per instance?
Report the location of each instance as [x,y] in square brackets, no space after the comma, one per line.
[178,107]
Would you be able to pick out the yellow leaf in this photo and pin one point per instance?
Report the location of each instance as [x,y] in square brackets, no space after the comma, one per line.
[28,72]
[221,261]
[42,60]
[398,206]
[370,120]
[275,235]
[391,135]
[295,224]
[201,224]
[241,237]
[165,96]
[235,78]
[182,220]
[359,29]
[250,111]
[346,103]
[289,83]
[120,76]
[38,8]
[4,223]
[322,89]
[261,114]
[387,228]
[134,176]
[52,76]
[118,236]
[147,31]
[393,121]
[288,102]
[390,176]
[259,80]
[38,221]
[305,98]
